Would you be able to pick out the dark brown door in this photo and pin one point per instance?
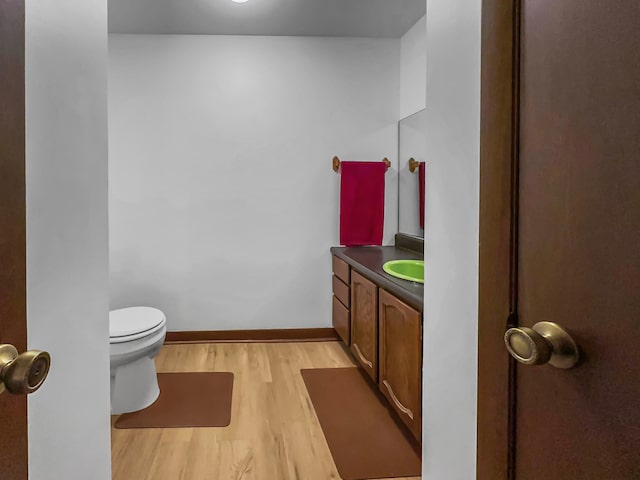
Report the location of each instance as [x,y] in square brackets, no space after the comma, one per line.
[364,323]
[13,328]
[568,202]
[401,360]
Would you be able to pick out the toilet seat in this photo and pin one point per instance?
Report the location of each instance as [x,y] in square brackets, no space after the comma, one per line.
[132,323]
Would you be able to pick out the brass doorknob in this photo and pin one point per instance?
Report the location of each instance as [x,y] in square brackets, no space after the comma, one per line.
[545,342]
[24,373]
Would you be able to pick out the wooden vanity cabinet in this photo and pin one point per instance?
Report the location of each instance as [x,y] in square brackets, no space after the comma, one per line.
[385,337]
[400,362]
[364,323]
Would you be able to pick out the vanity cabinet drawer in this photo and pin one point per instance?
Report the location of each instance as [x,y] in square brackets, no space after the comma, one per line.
[341,291]
[341,270]
[341,320]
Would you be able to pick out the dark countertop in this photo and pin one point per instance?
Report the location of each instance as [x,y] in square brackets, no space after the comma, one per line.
[368,261]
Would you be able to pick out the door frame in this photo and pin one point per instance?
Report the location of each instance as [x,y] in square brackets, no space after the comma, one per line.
[13,296]
[497,305]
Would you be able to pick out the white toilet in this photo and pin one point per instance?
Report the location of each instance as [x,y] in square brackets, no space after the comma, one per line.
[136,336]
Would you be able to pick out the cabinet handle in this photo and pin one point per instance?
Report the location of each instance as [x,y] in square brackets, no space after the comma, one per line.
[402,408]
[363,359]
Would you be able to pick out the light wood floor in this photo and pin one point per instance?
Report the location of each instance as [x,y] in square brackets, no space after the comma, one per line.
[274,432]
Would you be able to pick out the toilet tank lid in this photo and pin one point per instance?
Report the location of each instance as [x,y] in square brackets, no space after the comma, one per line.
[129,321]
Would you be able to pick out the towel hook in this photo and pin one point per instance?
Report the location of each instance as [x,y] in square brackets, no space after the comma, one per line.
[413,165]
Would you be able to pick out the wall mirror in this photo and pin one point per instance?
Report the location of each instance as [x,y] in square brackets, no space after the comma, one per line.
[411,152]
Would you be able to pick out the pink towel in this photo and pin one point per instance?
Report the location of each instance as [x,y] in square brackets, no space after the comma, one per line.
[361,203]
[422,167]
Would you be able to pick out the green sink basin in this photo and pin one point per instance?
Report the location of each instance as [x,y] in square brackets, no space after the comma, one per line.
[411,270]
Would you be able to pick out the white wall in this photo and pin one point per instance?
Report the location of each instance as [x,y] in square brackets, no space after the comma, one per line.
[67,252]
[223,204]
[413,68]
[451,239]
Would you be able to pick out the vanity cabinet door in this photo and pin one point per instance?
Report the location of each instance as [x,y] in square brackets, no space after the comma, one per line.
[364,323]
[401,359]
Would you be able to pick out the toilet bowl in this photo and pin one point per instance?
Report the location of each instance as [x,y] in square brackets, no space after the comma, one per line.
[136,336]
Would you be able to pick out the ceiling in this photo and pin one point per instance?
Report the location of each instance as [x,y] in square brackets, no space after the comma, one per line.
[333,18]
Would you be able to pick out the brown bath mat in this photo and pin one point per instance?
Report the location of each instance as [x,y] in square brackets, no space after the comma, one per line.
[201,399]
[364,439]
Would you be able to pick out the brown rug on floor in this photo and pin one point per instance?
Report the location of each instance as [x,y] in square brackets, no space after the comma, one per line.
[201,399]
[364,439]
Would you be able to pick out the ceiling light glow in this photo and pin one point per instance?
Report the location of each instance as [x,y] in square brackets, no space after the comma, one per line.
[239,1]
